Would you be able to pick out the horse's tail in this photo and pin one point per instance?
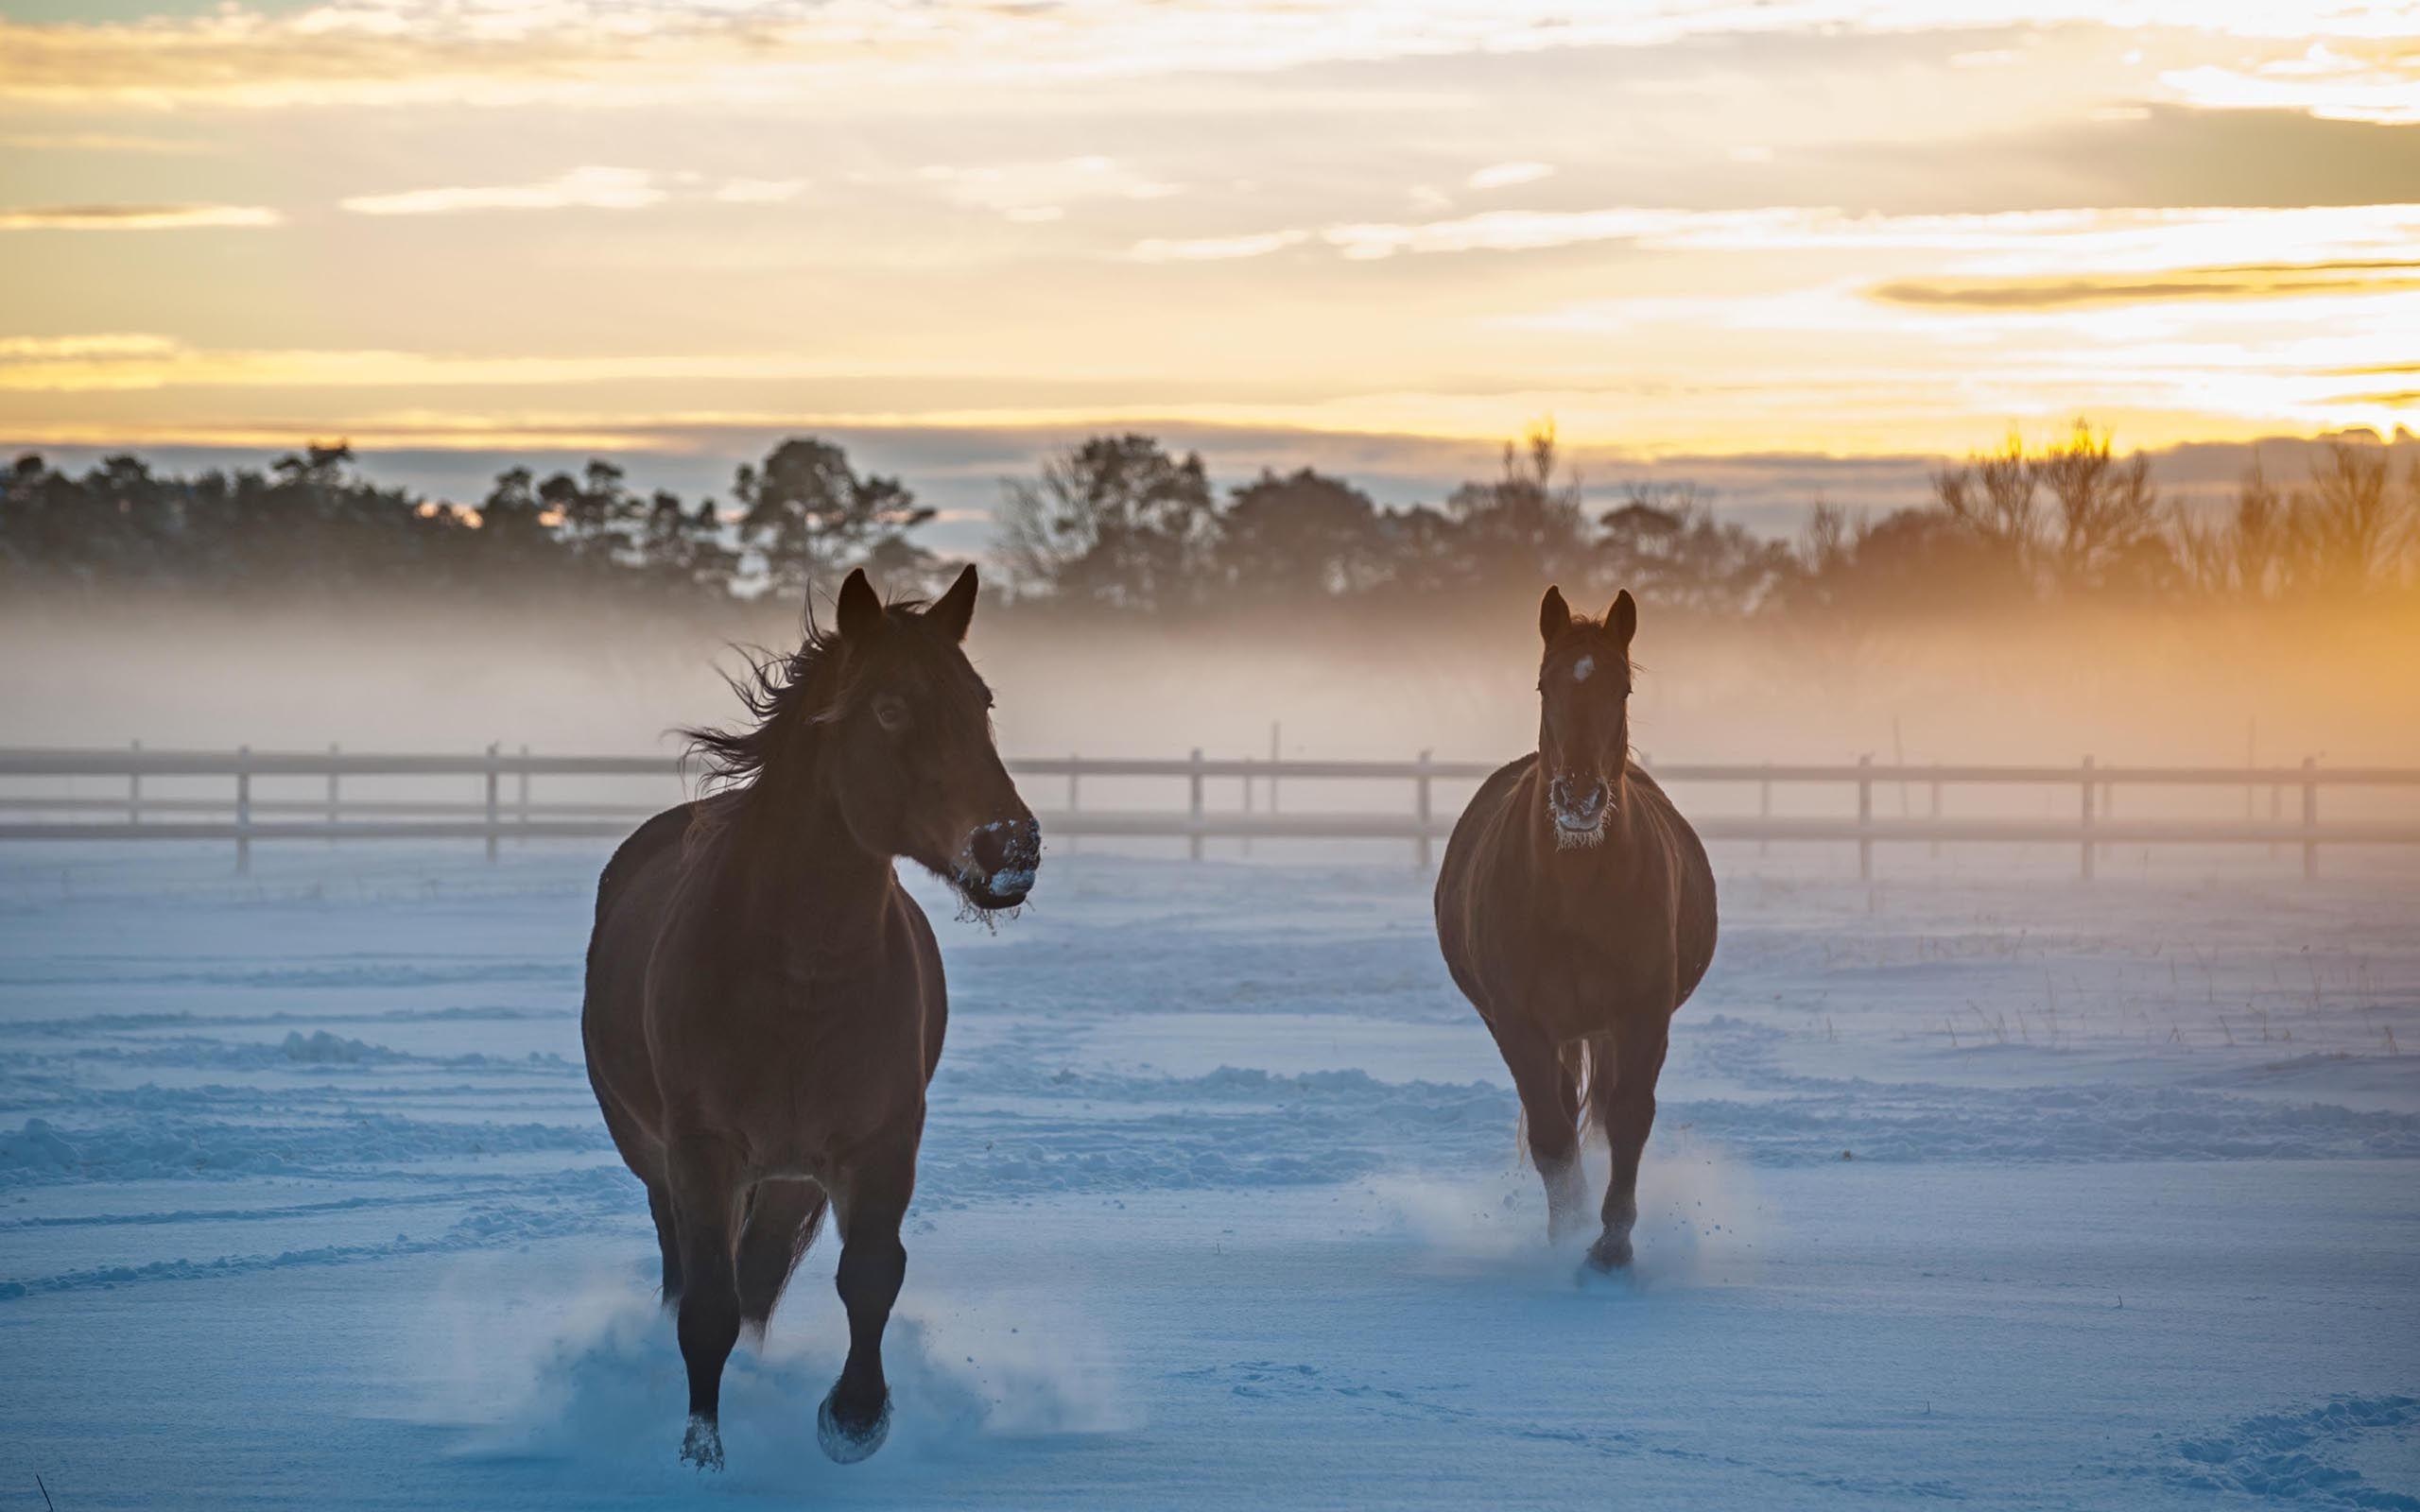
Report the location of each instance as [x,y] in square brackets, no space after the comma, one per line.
[783,1220]
[1583,1059]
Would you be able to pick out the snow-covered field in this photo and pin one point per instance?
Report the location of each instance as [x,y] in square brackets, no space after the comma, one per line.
[1967,1188]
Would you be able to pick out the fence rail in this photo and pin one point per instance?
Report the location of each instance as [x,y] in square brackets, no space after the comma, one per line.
[241,817]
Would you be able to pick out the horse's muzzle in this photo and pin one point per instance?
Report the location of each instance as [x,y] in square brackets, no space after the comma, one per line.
[996,865]
[1579,806]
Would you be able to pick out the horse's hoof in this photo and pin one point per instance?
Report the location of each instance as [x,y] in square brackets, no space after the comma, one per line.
[701,1445]
[1609,1254]
[848,1441]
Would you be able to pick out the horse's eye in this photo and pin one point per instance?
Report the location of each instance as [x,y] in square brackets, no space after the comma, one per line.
[891,713]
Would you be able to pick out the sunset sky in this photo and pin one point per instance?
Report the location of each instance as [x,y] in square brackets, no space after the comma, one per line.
[1686,226]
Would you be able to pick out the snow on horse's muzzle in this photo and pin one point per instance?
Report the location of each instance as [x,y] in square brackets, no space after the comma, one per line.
[997,863]
[1579,806]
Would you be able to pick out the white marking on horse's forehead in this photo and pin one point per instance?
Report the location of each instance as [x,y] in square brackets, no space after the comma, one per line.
[1580,668]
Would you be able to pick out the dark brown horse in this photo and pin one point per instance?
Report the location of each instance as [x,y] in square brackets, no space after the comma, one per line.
[1576,910]
[765,1002]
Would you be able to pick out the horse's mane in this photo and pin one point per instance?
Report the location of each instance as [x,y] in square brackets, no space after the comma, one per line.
[773,687]
[781,691]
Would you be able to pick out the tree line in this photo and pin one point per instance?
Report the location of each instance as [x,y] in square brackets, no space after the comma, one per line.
[1121,525]
[314,520]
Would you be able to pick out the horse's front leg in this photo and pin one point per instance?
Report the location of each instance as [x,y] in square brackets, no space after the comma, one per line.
[704,1174]
[1551,1109]
[871,1204]
[1626,1110]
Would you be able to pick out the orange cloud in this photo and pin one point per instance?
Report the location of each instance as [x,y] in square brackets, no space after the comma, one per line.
[2252,283]
[134,217]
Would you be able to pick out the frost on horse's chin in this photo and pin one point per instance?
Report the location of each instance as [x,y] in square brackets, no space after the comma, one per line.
[971,912]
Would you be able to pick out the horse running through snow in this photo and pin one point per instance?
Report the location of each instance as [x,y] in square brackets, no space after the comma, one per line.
[765,1005]
[1576,911]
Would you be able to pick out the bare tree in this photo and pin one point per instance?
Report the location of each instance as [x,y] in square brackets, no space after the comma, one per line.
[1664,543]
[1527,523]
[2353,527]
[2245,551]
[1828,541]
[1996,498]
[2108,515]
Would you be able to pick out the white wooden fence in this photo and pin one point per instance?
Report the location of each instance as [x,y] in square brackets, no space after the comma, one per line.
[236,813]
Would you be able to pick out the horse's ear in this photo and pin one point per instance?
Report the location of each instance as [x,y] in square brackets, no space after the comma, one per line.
[1622,619]
[1554,615]
[956,608]
[859,612]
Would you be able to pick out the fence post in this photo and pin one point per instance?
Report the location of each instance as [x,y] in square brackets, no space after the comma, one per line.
[2311,818]
[135,787]
[1247,802]
[1196,805]
[1933,847]
[1075,764]
[1865,817]
[243,808]
[494,774]
[333,805]
[523,792]
[1421,807]
[2087,819]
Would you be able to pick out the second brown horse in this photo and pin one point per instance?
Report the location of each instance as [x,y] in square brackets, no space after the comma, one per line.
[1576,911]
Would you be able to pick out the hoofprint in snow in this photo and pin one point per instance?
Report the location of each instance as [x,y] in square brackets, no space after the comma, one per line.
[2009,1193]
